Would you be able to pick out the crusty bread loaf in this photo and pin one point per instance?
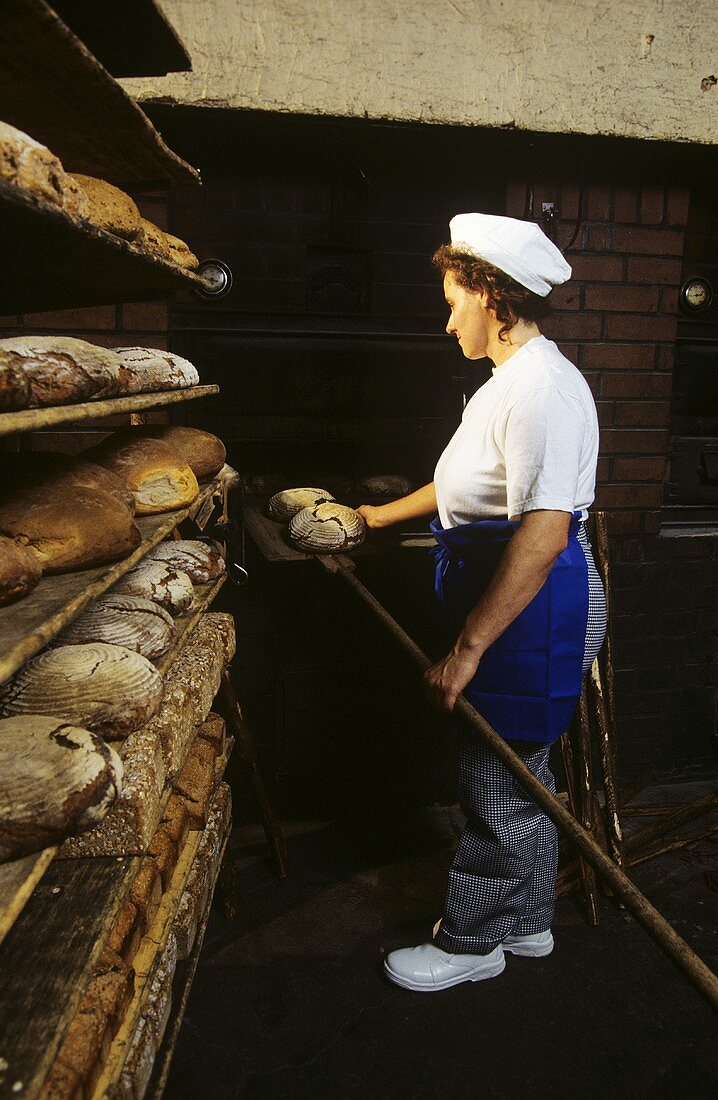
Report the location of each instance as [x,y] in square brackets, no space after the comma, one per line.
[73,528]
[153,239]
[201,450]
[27,163]
[76,201]
[62,370]
[131,621]
[157,477]
[19,571]
[180,253]
[14,383]
[149,369]
[109,208]
[160,582]
[104,688]
[47,472]
[199,560]
[56,779]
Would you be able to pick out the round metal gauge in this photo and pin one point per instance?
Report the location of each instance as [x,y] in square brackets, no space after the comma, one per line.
[216,277]
[696,294]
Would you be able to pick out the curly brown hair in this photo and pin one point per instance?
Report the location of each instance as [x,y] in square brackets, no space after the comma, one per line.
[508,299]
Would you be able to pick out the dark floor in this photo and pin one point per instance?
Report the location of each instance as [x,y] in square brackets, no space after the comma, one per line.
[289,1000]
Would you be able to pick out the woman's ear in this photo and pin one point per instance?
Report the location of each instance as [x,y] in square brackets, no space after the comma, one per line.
[484,298]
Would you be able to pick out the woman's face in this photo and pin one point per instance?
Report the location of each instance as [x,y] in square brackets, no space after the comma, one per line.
[468,318]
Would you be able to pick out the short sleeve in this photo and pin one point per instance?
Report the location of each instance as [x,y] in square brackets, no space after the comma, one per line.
[543,443]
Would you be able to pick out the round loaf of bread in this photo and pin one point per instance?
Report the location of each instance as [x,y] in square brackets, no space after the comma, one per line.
[199,560]
[62,370]
[20,571]
[130,621]
[201,450]
[27,163]
[328,528]
[180,253]
[149,369]
[282,506]
[56,780]
[73,528]
[47,472]
[157,477]
[156,580]
[14,383]
[105,688]
[153,239]
[109,208]
[384,485]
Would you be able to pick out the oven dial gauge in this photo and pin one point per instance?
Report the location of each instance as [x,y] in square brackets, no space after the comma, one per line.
[216,279]
[696,294]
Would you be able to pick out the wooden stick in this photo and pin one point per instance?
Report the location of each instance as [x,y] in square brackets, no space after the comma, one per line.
[603,565]
[659,849]
[680,817]
[245,749]
[657,926]
[606,740]
[584,792]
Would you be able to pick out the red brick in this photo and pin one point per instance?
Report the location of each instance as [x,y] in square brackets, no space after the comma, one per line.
[663,272]
[146,316]
[640,414]
[677,204]
[624,523]
[605,412]
[653,201]
[638,469]
[516,198]
[636,441]
[652,522]
[665,357]
[94,317]
[596,269]
[568,201]
[598,204]
[636,384]
[669,300]
[636,495]
[571,351]
[566,297]
[602,469]
[593,380]
[572,326]
[631,326]
[625,204]
[617,356]
[129,340]
[632,299]
[653,242]
[598,237]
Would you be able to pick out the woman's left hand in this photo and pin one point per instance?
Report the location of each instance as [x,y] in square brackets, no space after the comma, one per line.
[444,682]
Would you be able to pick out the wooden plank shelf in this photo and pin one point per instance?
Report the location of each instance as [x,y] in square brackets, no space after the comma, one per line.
[54,89]
[55,261]
[36,420]
[27,626]
[17,882]
[128,37]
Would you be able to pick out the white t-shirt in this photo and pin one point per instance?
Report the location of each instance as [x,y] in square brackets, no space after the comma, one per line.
[528,439]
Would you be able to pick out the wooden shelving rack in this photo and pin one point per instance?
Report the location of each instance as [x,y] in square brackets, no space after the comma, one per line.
[56,915]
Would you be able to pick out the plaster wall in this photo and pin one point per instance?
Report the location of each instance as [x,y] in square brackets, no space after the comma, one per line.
[633,68]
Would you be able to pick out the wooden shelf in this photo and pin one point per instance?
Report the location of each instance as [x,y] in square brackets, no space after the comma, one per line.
[35,420]
[53,88]
[28,625]
[55,261]
[128,37]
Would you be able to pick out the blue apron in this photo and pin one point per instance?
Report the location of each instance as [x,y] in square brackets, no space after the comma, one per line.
[528,683]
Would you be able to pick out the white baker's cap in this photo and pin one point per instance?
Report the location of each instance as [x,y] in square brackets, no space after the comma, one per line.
[520,249]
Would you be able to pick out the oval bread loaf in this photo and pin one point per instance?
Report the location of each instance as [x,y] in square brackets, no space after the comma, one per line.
[14,383]
[201,450]
[109,208]
[282,506]
[157,477]
[130,621]
[104,688]
[156,580]
[27,163]
[199,560]
[181,253]
[148,369]
[20,571]
[48,472]
[56,780]
[153,239]
[62,370]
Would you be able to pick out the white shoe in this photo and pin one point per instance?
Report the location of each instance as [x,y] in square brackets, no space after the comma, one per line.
[426,968]
[535,946]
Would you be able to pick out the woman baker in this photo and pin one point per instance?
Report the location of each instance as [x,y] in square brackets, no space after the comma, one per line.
[517,585]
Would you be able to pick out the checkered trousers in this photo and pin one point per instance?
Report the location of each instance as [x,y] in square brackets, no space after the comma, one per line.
[502,879]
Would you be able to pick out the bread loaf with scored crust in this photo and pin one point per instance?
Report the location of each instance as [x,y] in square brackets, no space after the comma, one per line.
[149,369]
[14,383]
[158,581]
[199,560]
[157,477]
[62,370]
[131,621]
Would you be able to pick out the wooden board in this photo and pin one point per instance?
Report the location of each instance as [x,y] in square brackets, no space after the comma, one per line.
[53,88]
[268,535]
[17,882]
[55,261]
[48,958]
[128,37]
[35,420]
[30,624]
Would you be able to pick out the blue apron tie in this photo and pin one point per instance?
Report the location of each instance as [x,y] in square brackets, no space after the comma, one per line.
[529,681]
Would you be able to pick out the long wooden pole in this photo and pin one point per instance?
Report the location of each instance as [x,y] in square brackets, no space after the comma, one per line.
[657,926]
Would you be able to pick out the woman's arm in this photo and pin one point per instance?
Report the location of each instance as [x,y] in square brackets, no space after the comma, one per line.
[420,503]
[523,567]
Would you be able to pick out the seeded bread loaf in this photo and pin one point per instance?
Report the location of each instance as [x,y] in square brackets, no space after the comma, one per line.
[201,450]
[14,383]
[27,163]
[109,208]
[153,239]
[62,370]
[180,253]
[157,477]
[20,571]
[149,369]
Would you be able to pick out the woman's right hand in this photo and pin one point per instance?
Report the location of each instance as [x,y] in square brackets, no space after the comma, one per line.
[372,515]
